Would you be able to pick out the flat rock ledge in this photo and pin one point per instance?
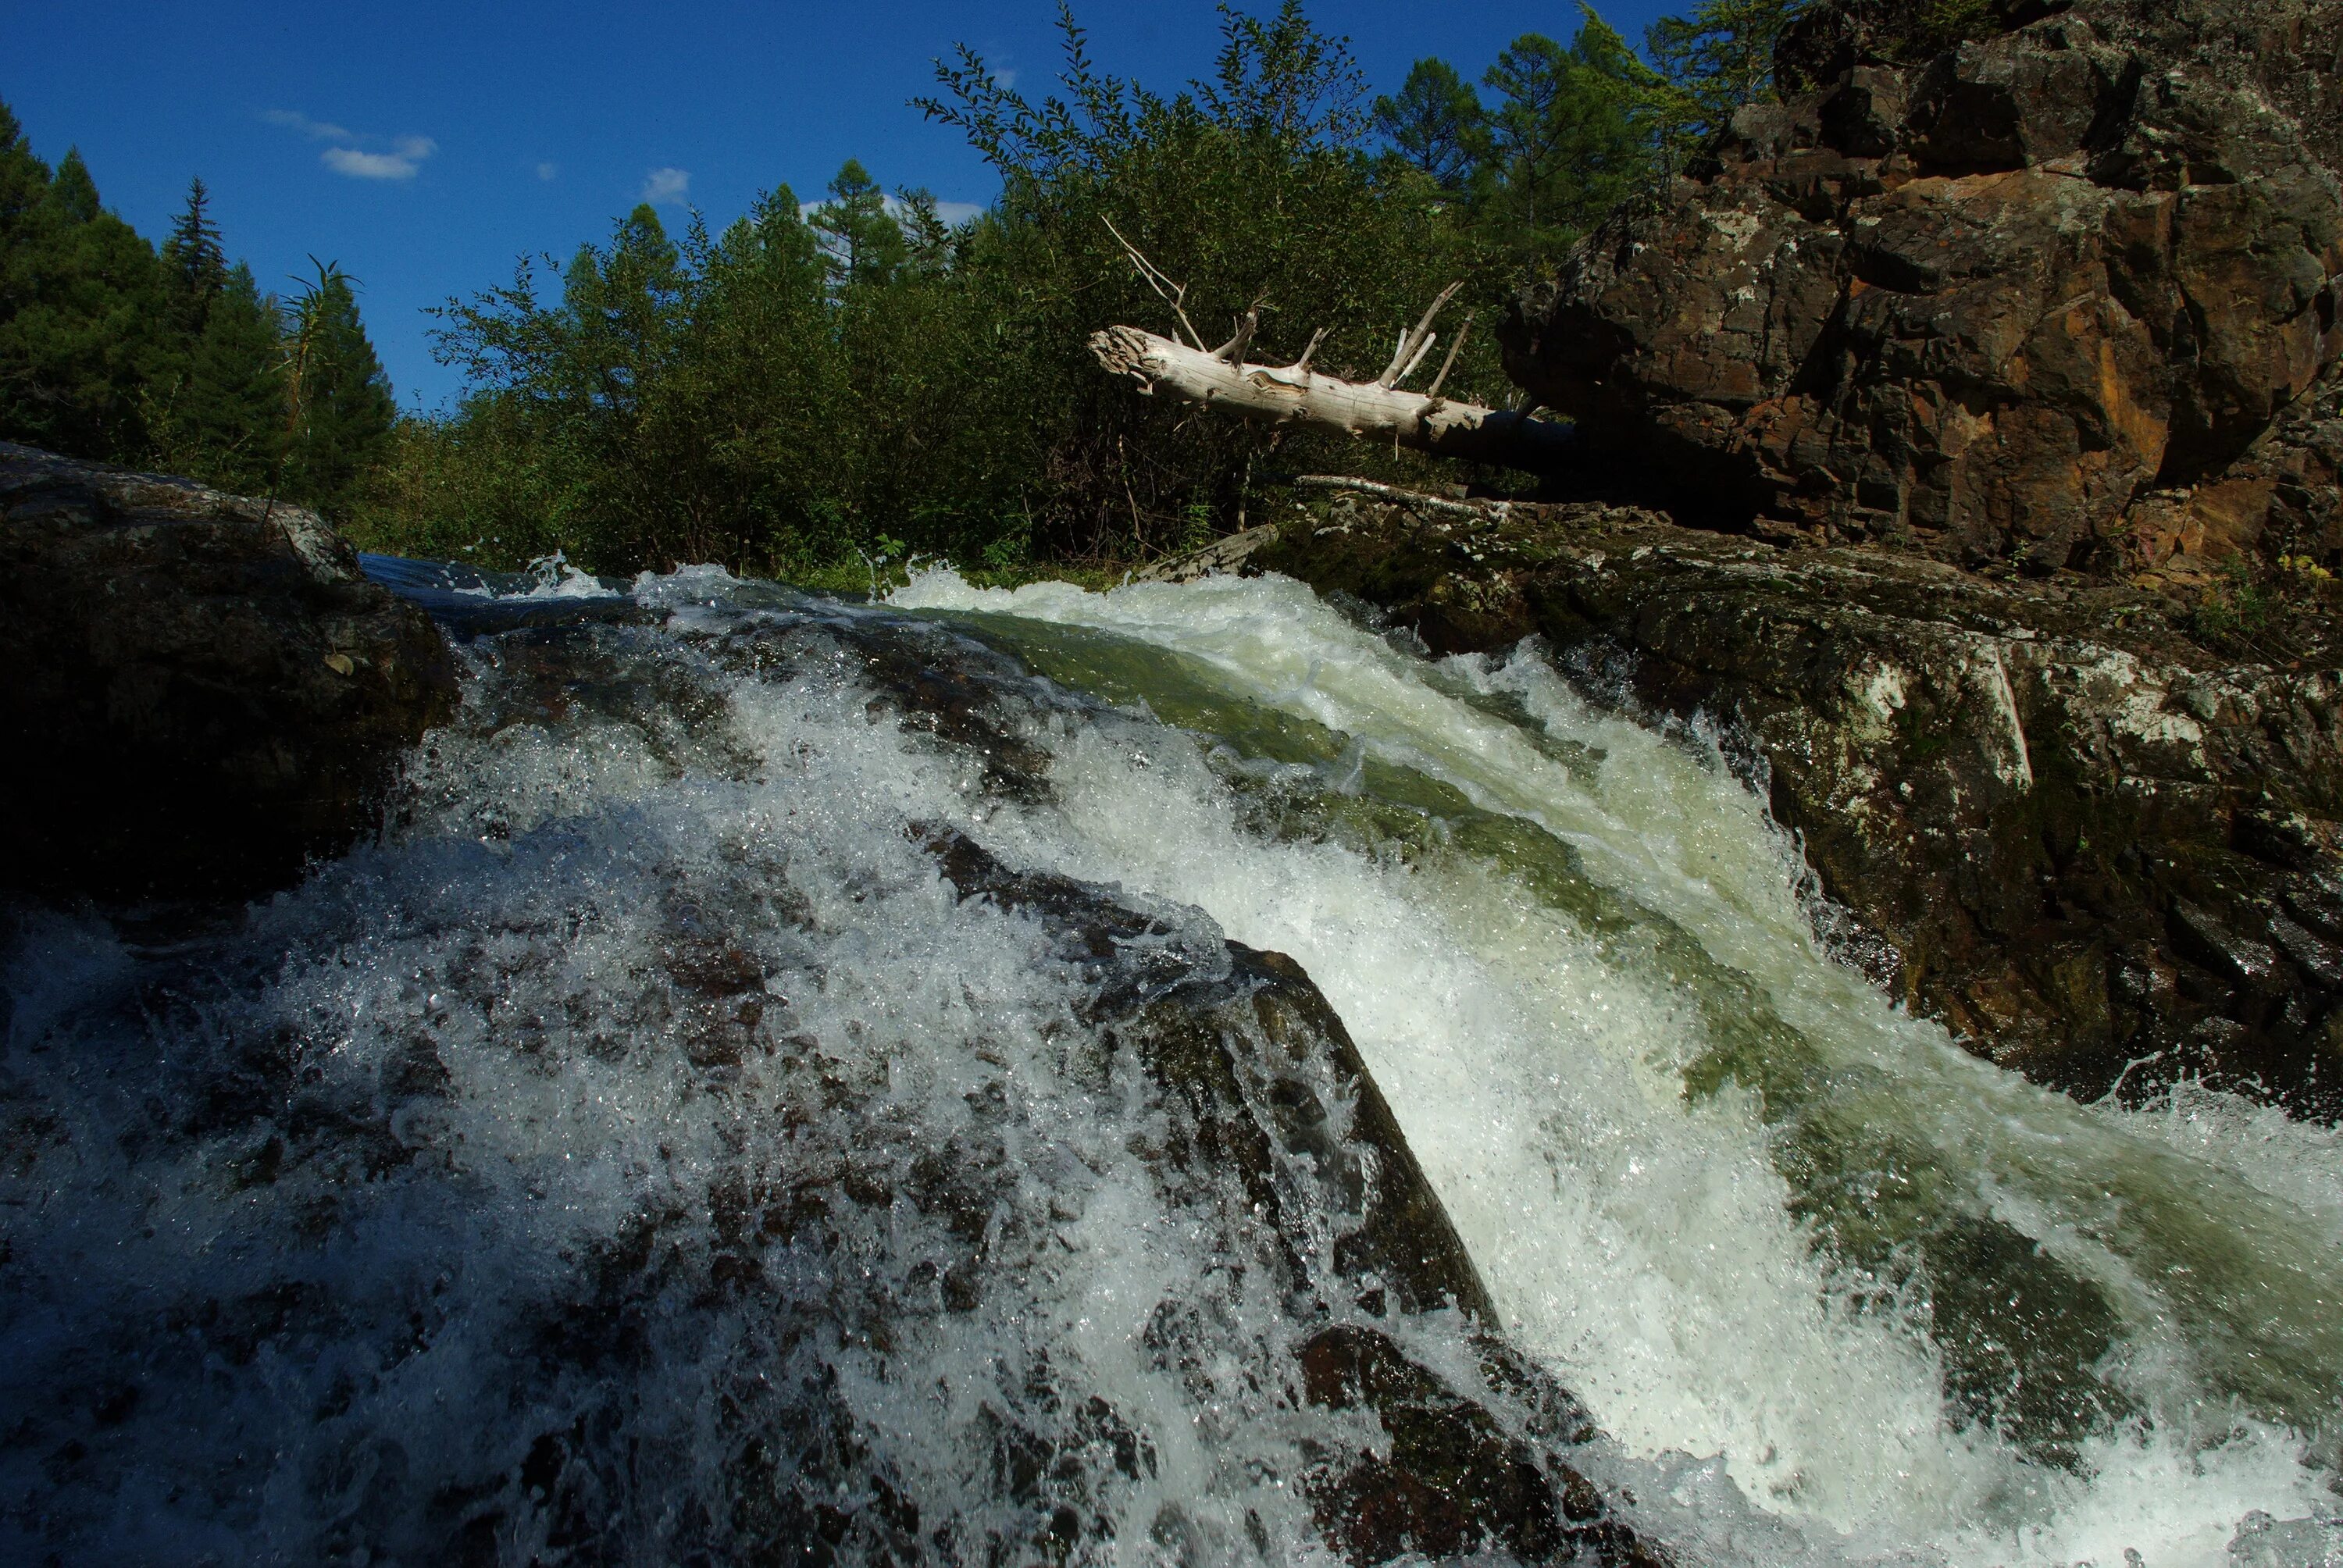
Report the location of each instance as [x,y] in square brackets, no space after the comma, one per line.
[201,692]
[2103,854]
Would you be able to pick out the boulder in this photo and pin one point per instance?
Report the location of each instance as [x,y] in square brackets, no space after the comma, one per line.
[2063,294]
[202,692]
[2103,853]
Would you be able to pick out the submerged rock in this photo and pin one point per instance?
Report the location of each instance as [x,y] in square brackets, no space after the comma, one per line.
[2061,295]
[199,692]
[2099,851]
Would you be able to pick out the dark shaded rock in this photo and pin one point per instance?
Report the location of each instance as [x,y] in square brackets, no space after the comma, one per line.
[1454,1481]
[2051,296]
[2100,852]
[201,691]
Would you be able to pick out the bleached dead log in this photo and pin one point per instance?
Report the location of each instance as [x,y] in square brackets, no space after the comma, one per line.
[1378,409]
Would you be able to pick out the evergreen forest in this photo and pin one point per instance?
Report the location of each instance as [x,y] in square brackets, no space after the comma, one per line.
[820,382]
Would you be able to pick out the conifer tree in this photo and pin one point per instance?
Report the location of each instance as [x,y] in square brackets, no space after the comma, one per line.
[195,264]
[230,409]
[339,409]
[1714,60]
[1434,124]
[78,309]
[1567,138]
[865,243]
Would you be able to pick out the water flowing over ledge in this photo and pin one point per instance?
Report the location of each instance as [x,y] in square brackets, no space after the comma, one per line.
[647,1142]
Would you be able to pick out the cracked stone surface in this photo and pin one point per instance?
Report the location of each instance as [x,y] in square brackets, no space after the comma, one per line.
[2063,295]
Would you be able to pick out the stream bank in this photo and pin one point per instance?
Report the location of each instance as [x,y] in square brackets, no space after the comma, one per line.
[2099,850]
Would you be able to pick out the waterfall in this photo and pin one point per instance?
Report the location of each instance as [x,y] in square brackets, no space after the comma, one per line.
[644,1152]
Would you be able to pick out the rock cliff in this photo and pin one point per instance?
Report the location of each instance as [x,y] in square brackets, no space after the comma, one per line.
[2062,295]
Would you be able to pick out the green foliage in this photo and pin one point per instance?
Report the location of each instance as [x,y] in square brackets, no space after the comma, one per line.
[1434,124]
[811,388]
[217,407]
[111,351]
[338,402]
[863,244]
[1560,135]
[1715,59]
[799,393]
[1568,138]
[195,264]
[79,293]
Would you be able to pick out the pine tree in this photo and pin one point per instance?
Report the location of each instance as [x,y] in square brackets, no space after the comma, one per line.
[1434,124]
[1715,60]
[865,243]
[1568,137]
[339,409]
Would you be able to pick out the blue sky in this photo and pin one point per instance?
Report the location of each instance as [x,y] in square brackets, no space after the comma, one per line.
[425,145]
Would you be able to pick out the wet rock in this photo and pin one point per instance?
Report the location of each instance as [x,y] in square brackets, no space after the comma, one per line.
[1266,1080]
[2100,852]
[2058,295]
[855,1222]
[201,691]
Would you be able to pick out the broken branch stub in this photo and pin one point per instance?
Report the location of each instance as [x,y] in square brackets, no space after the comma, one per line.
[1296,394]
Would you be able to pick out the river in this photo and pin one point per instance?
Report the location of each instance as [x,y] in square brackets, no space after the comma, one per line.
[311,1213]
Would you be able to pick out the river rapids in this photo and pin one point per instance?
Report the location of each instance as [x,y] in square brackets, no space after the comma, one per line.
[654,1150]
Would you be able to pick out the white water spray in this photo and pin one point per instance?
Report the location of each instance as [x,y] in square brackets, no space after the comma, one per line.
[1644,1244]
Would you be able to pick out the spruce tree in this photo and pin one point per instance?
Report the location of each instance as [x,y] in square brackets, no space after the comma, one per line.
[230,406]
[195,264]
[339,409]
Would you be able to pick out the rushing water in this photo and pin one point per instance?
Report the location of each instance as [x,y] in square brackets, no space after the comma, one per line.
[285,1199]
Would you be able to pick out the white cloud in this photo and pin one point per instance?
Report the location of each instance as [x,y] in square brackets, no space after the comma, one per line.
[665,184]
[320,130]
[406,154]
[1007,79]
[360,156]
[547,171]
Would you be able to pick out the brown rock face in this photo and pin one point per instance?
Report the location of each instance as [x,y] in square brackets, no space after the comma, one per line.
[199,691]
[2055,296]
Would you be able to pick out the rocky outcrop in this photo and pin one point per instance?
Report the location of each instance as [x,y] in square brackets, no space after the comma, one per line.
[2099,850]
[198,692]
[2060,296]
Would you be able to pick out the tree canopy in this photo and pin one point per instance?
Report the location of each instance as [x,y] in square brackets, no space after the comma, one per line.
[173,357]
[854,376]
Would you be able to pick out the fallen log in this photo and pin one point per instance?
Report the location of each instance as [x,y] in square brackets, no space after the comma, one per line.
[1297,394]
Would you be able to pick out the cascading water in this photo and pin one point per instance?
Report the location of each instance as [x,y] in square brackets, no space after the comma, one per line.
[462,1195]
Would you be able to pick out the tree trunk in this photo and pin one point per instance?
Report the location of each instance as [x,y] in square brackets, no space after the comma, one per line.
[1428,423]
